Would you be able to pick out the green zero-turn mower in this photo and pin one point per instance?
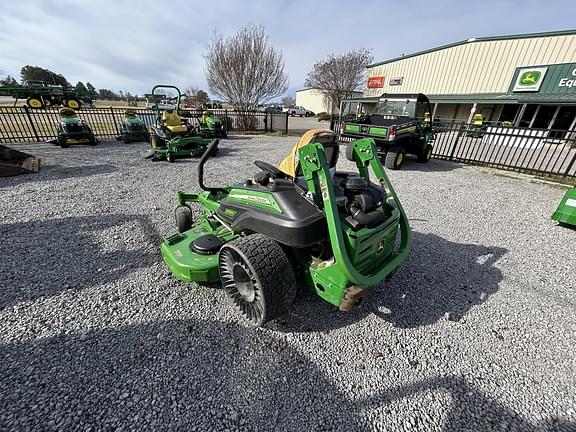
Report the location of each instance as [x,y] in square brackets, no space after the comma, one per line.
[210,126]
[566,211]
[72,130]
[339,232]
[133,129]
[172,136]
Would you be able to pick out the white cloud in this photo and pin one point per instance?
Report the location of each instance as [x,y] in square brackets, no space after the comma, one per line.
[128,45]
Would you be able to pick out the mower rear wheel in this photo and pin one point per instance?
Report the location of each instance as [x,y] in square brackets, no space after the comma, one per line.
[183,216]
[258,277]
[92,140]
[394,158]
[425,155]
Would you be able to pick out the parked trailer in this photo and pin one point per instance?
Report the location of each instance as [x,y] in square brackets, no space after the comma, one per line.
[38,95]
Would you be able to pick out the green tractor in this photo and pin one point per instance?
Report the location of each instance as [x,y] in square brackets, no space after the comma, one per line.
[172,136]
[477,129]
[338,233]
[400,124]
[72,130]
[565,214]
[210,126]
[133,128]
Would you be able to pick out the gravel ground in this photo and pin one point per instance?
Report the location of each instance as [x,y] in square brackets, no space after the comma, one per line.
[476,331]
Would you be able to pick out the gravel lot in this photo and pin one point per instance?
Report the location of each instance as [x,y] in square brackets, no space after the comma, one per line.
[476,331]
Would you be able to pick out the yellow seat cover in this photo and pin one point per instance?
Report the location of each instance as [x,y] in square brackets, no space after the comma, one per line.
[173,122]
[290,164]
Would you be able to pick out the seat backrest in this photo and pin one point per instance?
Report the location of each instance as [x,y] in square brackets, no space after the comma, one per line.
[291,164]
[171,118]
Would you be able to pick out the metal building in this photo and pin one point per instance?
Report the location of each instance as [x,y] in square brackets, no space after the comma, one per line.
[527,79]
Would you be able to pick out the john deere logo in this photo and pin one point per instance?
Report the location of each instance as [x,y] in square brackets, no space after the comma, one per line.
[380,247]
[529,79]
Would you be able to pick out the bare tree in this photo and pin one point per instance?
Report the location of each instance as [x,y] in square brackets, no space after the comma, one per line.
[288,101]
[245,69]
[339,76]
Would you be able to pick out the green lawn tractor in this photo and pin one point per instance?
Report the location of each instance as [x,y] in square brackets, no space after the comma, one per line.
[133,128]
[304,223]
[566,211]
[72,130]
[478,128]
[172,137]
[210,126]
[400,124]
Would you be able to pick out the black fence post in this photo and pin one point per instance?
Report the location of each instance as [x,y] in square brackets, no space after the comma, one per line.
[31,122]
[226,120]
[456,141]
[570,165]
[114,120]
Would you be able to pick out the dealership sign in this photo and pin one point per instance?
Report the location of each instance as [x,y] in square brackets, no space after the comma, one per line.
[530,79]
[376,82]
[549,79]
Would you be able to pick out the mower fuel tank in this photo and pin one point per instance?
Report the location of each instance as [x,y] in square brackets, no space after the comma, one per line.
[277,210]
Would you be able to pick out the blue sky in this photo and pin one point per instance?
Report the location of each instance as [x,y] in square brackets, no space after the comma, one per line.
[131,45]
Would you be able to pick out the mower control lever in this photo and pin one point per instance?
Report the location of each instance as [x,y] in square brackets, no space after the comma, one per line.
[203,160]
[272,170]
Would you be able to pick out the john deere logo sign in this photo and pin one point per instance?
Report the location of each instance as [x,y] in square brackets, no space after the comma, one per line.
[529,79]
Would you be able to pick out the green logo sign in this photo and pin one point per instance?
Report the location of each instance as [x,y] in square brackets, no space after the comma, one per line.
[529,78]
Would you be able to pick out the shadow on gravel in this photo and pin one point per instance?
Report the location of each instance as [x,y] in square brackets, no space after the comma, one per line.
[470,408]
[439,279]
[44,258]
[57,172]
[237,138]
[171,375]
[207,375]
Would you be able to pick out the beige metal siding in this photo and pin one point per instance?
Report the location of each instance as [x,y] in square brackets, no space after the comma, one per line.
[474,67]
[312,100]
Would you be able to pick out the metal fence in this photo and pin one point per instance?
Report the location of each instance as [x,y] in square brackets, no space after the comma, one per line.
[23,124]
[533,151]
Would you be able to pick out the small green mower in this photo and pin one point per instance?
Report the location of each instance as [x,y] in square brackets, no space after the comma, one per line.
[565,214]
[210,126]
[304,221]
[478,128]
[72,130]
[172,137]
[133,128]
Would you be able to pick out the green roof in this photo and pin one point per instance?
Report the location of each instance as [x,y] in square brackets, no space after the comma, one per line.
[506,98]
[480,39]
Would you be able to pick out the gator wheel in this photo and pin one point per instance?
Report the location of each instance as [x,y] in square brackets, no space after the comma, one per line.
[350,152]
[426,154]
[394,158]
[34,102]
[183,216]
[258,277]
[72,103]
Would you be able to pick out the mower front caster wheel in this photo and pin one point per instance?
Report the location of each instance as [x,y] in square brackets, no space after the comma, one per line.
[258,277]
[183,216]
[170,157]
